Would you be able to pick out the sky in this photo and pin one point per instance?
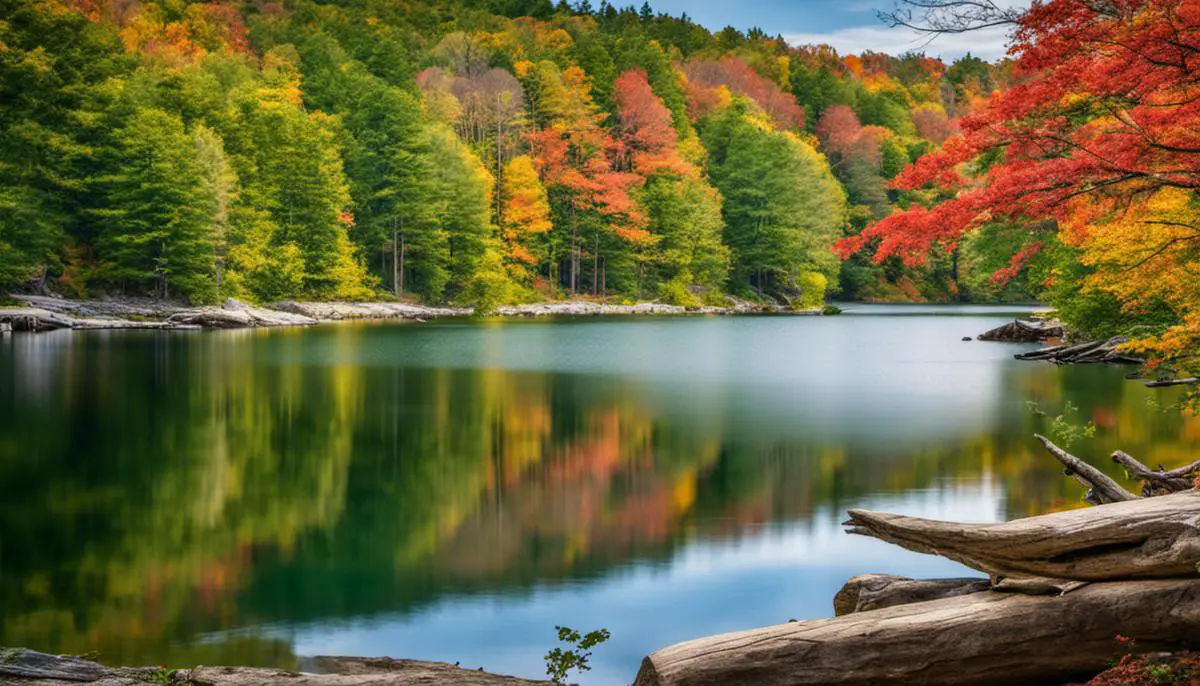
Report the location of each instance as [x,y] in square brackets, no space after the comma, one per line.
[847,25]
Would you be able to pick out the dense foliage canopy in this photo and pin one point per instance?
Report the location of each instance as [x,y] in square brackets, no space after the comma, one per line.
[457,151]
[1090,161]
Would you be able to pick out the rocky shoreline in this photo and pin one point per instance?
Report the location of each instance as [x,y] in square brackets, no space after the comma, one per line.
[24,666]
[45,313]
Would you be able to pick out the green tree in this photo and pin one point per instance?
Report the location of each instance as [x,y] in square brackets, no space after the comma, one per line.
[783,208]
[159,210]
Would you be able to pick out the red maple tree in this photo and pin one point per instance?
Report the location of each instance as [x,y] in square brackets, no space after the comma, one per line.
[1105,111]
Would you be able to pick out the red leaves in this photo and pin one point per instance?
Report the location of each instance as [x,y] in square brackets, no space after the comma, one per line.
[913,233]
[1017,263]
[741,79]
[938,168]
[1109,106]
[646,134]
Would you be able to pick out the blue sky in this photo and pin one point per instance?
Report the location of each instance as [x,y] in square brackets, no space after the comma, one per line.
[848,25]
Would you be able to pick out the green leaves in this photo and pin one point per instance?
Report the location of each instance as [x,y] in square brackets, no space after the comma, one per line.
[560,663]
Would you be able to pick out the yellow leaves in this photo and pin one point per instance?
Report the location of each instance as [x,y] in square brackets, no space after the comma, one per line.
[1148,255]
[523,68]
[1072,98]
[559,40]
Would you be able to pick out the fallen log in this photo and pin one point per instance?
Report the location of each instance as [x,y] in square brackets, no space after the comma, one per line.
[32,319]
[1094,352]
[1166,383]
[867,592]
[19,665]
[1139,539]
[981,638]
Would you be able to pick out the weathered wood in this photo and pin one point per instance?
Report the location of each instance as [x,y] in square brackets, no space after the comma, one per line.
[1187,470]
[32,319]
[1094,352]
[867,592]
[1101,488]
[1138,539]
[20,665]
[981,638]
[1153,483]
[1165,383]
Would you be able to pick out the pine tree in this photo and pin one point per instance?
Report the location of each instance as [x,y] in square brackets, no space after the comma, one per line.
[159,210]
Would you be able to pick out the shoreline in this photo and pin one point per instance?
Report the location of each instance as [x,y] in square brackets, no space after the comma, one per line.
[45,313]
[25,666]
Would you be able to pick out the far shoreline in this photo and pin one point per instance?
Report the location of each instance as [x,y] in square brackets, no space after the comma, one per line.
[47,313]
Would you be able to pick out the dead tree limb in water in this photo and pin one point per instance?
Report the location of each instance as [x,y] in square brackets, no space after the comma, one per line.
[1155,483]
[1139,539]
[1101,488]
[1096,352]
[1165,383]
[981,638]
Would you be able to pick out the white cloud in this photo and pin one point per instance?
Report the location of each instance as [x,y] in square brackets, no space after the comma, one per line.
[988,44]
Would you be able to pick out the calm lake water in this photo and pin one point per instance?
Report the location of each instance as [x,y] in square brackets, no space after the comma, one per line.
[452,491]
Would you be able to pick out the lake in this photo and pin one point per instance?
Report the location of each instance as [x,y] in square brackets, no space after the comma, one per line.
[452,491]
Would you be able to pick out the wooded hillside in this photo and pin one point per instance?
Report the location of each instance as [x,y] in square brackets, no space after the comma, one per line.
[467,152]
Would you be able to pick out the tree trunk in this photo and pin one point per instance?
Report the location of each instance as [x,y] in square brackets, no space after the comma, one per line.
[398,265]
[867,592]
[981,638]
[574,254]
[1139,539]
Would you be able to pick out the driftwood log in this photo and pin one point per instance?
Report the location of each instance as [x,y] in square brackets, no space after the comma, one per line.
[1095,352]
[981,638]
[1062,587]
[867,592]
[1166,383]
[1139,539]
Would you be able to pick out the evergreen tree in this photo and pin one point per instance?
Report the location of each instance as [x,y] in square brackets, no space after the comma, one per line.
[157,220]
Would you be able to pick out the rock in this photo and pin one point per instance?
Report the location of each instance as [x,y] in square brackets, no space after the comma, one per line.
[335,311]
[967,339]
[21,665]
[31,667]
[1025,331]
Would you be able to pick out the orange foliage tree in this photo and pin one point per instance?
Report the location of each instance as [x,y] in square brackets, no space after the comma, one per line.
[1097,145]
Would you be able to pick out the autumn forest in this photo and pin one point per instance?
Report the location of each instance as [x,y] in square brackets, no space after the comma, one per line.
[457,152]
[496,152]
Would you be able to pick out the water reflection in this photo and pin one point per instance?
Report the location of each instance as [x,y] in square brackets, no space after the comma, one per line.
[453,491]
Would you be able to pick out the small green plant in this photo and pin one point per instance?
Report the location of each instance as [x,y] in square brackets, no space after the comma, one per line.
[559,662]
[1162,674]
[1064,428]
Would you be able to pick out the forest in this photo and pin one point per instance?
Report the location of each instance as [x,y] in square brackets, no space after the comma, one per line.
[485,152]
[477,153]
